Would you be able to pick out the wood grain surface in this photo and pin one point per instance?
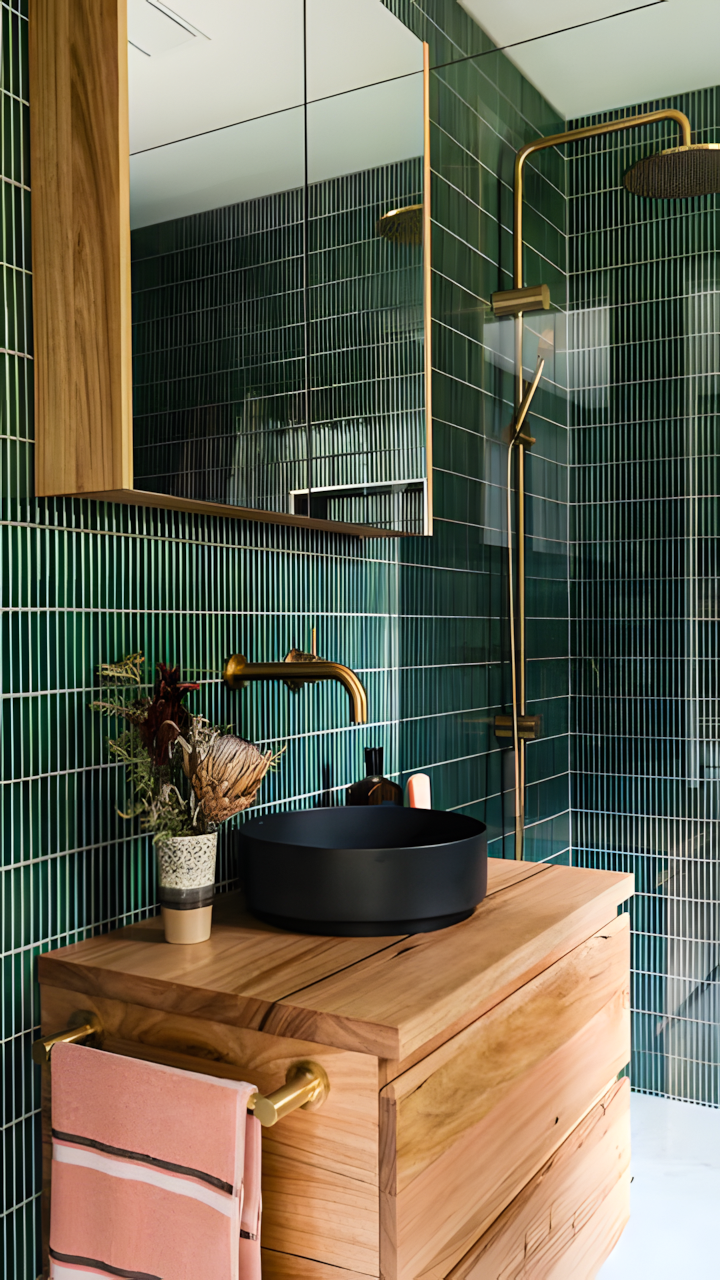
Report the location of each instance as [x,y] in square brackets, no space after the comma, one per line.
[383,996]
[569,1217]
[417,988]
[285,1266]
[81,245]
[461,1082]
[433,1222]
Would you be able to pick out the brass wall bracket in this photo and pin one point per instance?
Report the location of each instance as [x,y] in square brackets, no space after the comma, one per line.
[512,302]
[306,1086]
[529,727]
[306,1083]
[82,1026]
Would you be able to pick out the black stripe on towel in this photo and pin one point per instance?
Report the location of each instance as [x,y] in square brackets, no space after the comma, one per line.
[151,1160]
[75,1260]
[247,1235]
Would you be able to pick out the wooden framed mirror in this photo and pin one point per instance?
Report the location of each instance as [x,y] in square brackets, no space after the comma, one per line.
[231,259]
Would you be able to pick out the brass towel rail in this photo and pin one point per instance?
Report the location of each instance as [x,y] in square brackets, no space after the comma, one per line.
[306,1083]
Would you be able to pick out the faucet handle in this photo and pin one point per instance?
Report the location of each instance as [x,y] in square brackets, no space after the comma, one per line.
[297,655]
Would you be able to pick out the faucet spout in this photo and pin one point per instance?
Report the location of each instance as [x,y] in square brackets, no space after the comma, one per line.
[238,670]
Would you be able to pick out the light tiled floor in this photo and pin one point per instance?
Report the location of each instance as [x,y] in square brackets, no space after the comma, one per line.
[675,1194]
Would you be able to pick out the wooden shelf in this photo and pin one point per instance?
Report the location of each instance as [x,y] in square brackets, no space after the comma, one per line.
[167,502]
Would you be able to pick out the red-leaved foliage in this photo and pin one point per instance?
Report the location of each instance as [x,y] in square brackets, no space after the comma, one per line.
[166,717]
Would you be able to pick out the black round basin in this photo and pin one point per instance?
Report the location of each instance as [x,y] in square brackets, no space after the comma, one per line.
[364,872]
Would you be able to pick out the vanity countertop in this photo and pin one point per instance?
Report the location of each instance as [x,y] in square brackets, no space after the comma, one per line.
[388,997]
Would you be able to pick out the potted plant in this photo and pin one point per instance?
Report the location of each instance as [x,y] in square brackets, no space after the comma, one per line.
[186,777]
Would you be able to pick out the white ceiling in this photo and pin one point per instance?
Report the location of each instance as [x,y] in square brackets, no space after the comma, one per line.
[202,64]
[631,57]
[231,72]
[216,88]
[345,135]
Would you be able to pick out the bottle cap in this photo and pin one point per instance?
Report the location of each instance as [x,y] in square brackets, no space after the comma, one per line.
[374,762]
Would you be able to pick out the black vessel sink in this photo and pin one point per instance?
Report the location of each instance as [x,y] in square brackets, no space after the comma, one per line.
[364,872]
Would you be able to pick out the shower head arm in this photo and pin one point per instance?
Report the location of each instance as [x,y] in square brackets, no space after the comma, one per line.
[575,135]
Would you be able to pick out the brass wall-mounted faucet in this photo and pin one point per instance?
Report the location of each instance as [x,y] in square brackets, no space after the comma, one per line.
[307,668]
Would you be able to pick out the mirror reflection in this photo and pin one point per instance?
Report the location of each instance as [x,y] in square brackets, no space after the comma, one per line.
[276,189]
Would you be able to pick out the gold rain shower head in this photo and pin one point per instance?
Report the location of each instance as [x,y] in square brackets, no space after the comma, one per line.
[402,226]
[678,173]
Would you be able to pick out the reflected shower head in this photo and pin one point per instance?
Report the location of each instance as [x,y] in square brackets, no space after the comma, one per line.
[402,226]
[677,174]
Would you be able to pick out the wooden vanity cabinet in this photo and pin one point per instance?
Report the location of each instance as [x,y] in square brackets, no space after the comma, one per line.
[475,1125]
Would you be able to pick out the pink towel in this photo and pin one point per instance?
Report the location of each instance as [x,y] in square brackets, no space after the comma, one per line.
[155,1172]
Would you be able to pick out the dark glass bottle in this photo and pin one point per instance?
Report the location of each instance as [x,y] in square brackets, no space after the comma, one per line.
[374,789]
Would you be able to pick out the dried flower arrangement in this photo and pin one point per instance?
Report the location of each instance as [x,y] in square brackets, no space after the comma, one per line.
[186,776]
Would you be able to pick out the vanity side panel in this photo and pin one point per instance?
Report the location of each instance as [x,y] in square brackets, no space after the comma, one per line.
[81,245]
[320,1169]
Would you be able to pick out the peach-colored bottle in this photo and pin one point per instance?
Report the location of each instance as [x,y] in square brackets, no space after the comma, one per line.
[417,791]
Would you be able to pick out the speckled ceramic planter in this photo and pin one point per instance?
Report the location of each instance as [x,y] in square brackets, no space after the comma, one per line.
[186,883]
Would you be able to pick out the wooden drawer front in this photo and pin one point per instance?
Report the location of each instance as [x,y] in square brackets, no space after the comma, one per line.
[320,1179]
[464,1130]
[569,1217]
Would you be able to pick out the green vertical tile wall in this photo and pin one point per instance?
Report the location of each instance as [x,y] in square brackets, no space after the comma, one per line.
[219,354]
[644,359]
[481,111]
[420,620]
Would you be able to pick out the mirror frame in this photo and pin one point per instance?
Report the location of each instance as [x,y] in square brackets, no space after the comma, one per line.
[79,141]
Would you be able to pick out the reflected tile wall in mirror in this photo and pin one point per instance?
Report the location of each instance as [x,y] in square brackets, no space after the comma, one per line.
[366,336]
[219,333]
[219,369]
